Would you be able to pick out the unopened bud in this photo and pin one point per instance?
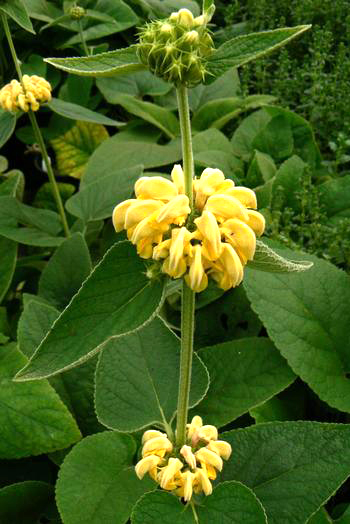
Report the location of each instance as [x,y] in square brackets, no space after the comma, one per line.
[166,28]
[76,12]
[192,37]
[185,17]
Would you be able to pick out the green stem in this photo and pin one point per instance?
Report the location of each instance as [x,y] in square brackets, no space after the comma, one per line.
[37,132]
[188,296]
[82,37]
[50,173]
[11,46]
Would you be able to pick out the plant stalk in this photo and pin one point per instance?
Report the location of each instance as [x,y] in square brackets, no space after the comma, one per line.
[188,296]
[82,38]
[37,132]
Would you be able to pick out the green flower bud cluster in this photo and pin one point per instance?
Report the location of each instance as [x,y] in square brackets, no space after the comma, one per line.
[76,12]
[176,48]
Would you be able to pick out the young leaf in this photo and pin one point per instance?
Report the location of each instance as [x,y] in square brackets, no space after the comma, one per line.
[32,420]
[25,502]
[58,283]
[7,126]
[97,481]
[43,219]
[30,236]
[8,248]
[307,317]
[266,259]
[137,382]
[76,112]
[116,299]
[96,201]
[243,49]
[230,502]
[17,10]
[301,464]
[258,374]
[156,115]
[119,62]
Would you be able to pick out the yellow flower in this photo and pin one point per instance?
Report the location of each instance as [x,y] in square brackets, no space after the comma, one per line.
[197,278]
[196,465]
[217,244]
[33,91]
[183,17]
[155,188]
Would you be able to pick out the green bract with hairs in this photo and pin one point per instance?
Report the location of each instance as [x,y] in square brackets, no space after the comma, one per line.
[176,48]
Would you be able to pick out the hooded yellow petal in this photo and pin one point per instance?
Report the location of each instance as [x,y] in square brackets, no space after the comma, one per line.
[177,207]
[146,464]
[222,448]
[256,221]
[241,237]
[157,443]
[209,228]
[203,482]
[119,213]
[245,195]
[197,279]
[139,210]
[166,476]
[187,480]
[152,433]
[162,250]
[207,185]
[188,455]
[204,455]
[226,206]
[208,433]
[178,177]
[156,188]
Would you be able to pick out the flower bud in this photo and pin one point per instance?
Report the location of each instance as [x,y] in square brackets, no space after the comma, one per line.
[76,12]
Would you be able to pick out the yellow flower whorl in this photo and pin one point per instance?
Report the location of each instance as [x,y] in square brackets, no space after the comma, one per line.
[192,468]
[36,91]
[216,241]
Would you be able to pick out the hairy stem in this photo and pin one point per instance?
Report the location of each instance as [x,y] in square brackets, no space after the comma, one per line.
[188,296]
[37,132]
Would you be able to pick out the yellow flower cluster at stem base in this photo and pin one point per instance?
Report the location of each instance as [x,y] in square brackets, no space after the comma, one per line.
[216,240]
[36,91]
[192,470]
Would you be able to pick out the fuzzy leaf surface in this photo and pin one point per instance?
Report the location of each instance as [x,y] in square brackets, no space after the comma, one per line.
[137,378]
[116,299]
[33,420]
[17,10]
[299,463]
[230,502]
[259,373]
[76,112]
[25,502]
[307,316]
[97,481]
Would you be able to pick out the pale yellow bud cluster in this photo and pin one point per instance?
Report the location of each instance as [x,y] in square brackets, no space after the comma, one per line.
[36,91]
[192,470]
[217,243]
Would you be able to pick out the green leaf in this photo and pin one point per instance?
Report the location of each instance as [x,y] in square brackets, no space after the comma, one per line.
[47,221]
[292,467]
[136,84]
[307,316]
[258,373]
[97,200]
[76,386]
[58,283]
[266,259]
[97,481]
[74,148]
[8,248]
[32,419]
[321,517]
[7,126]
[116,299]
[261,170]
[156,115]
[244,48]
[217,113]
[230,502]
[211,148]
[250,135]
[118,62]
[137,382]
[25,502]
[17,10]
[335,198]
[30,236]
[288,182]
[123,18]
[76,112]
[113,155]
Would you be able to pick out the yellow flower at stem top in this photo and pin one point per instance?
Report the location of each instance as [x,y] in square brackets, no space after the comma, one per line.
[215,240]
[188,470]
[36,91]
